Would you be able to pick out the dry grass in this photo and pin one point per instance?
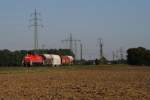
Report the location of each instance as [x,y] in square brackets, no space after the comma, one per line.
[82,84]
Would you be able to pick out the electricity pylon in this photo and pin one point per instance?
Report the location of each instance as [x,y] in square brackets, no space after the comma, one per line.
[100,48]
[35,24]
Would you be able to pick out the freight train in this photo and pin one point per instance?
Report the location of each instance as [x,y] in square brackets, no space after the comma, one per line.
[47,59]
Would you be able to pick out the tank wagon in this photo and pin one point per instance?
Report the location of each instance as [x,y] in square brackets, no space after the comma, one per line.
[66,60]
[52,59]
[47,59]
[71,59]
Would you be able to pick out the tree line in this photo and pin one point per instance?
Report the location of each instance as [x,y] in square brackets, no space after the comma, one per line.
[138,56]
[135,56]
[14,58]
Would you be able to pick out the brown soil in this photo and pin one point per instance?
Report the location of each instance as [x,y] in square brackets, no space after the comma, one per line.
[84,84]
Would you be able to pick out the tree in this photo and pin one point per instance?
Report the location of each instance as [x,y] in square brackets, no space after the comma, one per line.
[103,60]
[138,56]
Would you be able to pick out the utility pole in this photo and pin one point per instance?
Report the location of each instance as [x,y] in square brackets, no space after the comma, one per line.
[100,48]
[35,24]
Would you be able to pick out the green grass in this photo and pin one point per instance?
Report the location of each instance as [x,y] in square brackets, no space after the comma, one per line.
[16,70]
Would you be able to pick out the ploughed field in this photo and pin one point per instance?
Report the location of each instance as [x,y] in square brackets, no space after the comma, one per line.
[75,83]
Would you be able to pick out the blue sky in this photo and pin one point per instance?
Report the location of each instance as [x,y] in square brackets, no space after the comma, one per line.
[120,23]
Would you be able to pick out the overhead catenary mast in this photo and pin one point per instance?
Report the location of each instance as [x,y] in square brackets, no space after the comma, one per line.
[121,53]
[75,47]
[81,51]
[70,40]
[117,52]
[113,56]
[72,44]
[35,24]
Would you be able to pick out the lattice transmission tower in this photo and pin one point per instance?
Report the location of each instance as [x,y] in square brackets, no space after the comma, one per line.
[100,48]
[35,25]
